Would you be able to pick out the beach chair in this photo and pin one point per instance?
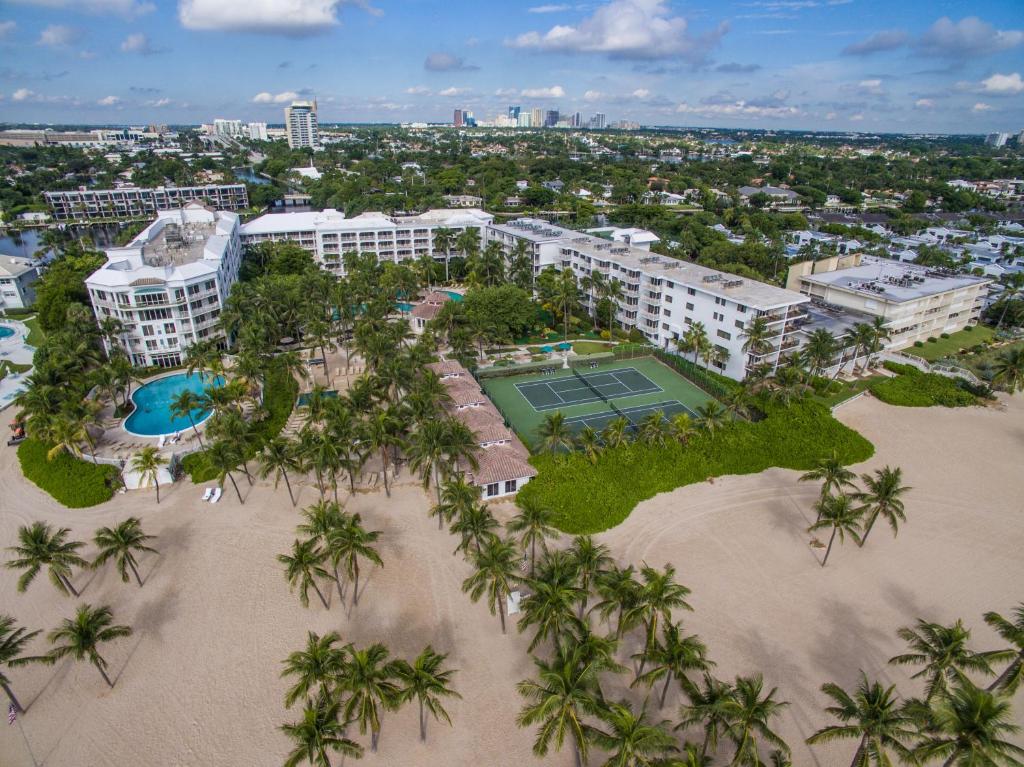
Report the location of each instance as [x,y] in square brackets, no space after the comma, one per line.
[208,494]
[217,492]
[160,442]
[512,602]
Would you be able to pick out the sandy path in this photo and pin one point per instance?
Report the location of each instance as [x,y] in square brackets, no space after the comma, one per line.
[198,683]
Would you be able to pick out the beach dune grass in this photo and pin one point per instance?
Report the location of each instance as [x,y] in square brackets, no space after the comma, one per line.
[73,482]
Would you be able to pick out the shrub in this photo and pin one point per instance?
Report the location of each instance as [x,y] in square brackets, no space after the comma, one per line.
[943,335]
[919,344]
[588,498]
[606,335]
[912,388]
[72,482]
[969,329]
[933,340]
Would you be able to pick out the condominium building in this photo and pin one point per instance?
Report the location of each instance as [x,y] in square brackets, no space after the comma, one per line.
[257,131]
[133,202]
[17,278]
[916,302]
[301,124]
[664,297]
[231,128]
[328,234]
[169,284]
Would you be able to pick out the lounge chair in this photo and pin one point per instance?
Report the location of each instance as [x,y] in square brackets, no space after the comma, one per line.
[207,495]
[160,442]
[217,492]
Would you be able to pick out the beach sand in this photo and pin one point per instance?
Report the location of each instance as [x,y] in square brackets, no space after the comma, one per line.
[198,683]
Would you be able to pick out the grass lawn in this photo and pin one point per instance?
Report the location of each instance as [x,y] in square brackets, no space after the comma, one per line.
[849,389]
[949,347]
[35,333]
[73,482]
[591,347]
[980,363]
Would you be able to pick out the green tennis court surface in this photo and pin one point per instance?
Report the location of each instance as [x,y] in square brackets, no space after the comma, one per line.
[637,387]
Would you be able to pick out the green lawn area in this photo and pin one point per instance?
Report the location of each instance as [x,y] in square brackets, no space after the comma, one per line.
[73,482]
[35,333]
[7,366]
[948,347]
[591,347]
[847,389]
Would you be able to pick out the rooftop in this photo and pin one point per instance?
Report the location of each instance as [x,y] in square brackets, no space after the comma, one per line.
[894,281]
[12,266]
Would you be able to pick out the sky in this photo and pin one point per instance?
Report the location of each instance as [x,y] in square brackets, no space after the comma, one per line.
[866,65]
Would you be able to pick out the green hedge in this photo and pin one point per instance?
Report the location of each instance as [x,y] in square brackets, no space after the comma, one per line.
[914,388]
[588,498]
[279,399]
[72,482]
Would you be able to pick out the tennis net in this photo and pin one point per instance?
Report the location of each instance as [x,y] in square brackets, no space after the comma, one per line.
[604,398]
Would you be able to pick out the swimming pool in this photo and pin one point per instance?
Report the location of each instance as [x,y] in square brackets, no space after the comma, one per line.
[6,332]
[152,416]
[454,296]
[404,307]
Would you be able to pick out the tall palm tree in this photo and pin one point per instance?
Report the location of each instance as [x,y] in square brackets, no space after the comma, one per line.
[428,682]
[589,560]
[1013,632]
[147,465]
[316,668]
[566,296]
[552,604]
[834,477]
[475,528]
[616,433]
[882,498]
[712,417]
[620,594]
[318,732]
[121,544]
[659,596]
[757,337]
[613,293]
[694,340]
[223,457]
[943,654]
[322,519]
[653,429]
[444,239]
[709,707]
[554,434]
[871,715]
[630,739]
[39,546]
[303,567]
[1013,286]
[12,643]
[1009,370]
[382,434]
[969,727]
[533,524]
[185,404]
[839,513]
[352,542]
[820,350]
[566,690]
[749,712]
[278,457]
[369,683]
[436,447]
[682,428]
[494,574]
[673,657]
[81,636]
[588,442]
[457,497]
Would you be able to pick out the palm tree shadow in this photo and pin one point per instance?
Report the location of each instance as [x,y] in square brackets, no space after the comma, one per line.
[128,660]
[56,676]
[793,518]
[152,616]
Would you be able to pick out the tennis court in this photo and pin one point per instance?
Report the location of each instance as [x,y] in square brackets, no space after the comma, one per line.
[578,389]
[634,415]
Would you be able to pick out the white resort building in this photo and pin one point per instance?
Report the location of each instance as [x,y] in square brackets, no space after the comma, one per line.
[168,285]
[17,277]
[134,202]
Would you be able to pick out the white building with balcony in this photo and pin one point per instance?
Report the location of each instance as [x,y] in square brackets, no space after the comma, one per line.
[169,284]
[18,277]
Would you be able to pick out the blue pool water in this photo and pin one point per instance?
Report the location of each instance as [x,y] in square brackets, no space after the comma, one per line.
[404,307]
[152,416]
[454,296]
[6,332]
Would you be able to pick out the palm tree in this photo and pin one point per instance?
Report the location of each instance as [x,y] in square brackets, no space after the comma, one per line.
[437,446]
[566,296]
[318,732]
[757,337]
[317,667]
[12,642]
[533,524]
[695,340]
[223,457]
[620,594]
[749,714]
[820,350]
[185,404]
[872,715]
[474,527]
[552,605]
[1012,632]
[673,657]
[1009,370]
[881,498]
[351,542]
[428,682]
[943,653]
[710,707]
[613,293]
[303,566]
[83,634]
[631,740]
[969,727]
[659,596]
[616,433]
[1013,285]
[147,465]
[494,575]
[839,513]
[711,416]
[381,432]
[834,477]
[39,546]
[321,520]
[444,239]
[369,683]
[652,429]
[588,441]
[278,457]
[121,544]
[682,427]
[554,434]
[565,691]
[589,560]
[457,497]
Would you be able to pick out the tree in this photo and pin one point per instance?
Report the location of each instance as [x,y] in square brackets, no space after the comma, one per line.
[589,560]
[839,513]
[303,567]
[551,606]
[317,667]
[1013,286]
[943,654]
[39,546]
[12,643]
[659,595]
[682,427]
[616,433]
[554,434]
[533,524]
[278,457]
[353,543]
[318,732]
[757,337]
[710,707]
[673,657]
[381,432]
[834,477]
[185,404]
[437,446]
[474,527]
[121,543]
[369,682]
[620,594]
[631,740]
[694,340]
[968,727]
[1009,370]
[749,713]
[566,296]
[871,715]
[457,497]
[147,465]
[444,239]
[428,682]
[588,442]
[711,416]
[81,636]
[495,572]
[1012,632]
[223,457]
[882,498]
[821,348]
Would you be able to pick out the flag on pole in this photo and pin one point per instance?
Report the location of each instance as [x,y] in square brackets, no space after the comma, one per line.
[12,714]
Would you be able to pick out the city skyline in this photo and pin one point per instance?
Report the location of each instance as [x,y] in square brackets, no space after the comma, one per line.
[782,64]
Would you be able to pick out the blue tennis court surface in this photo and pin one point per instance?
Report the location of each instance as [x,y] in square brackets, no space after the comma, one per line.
[568,390]
[598,421]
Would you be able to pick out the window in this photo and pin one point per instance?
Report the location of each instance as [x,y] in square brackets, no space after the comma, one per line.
[147,330]
[668,299]
[741,308]
[664,326]
[739,324]
[668,313]
[691,292]
[719,301]
[169,327]
[492,489]
[510,486]
[723,334]
[689,307]
[669,284]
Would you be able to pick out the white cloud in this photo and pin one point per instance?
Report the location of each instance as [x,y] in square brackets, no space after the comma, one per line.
[265,97]
[641,93]
[966,38]
[886,40]
[548,8]
[447,62]
[593,96]
[139,43]
[418,90]
[506,93]
[128,8]
[554,92]
[626,29]
[284,17]
[453,91]
[981,106]
[58,35]
[158,103]
[23,94]
[738,109]
[109,101]
[1003,85]
[856,118]
[924,103]
[6,27]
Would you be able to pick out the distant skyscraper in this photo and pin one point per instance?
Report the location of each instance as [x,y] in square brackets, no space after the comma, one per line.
[598,121]
[468,119]
[513,112]
[258,131]
[301,123]
[577,120]
[525,120]
[551,118]
[997,139]
[537,117]
[458,119]
[231,128]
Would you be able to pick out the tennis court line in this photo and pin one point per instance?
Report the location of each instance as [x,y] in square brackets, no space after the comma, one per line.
[630,391]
